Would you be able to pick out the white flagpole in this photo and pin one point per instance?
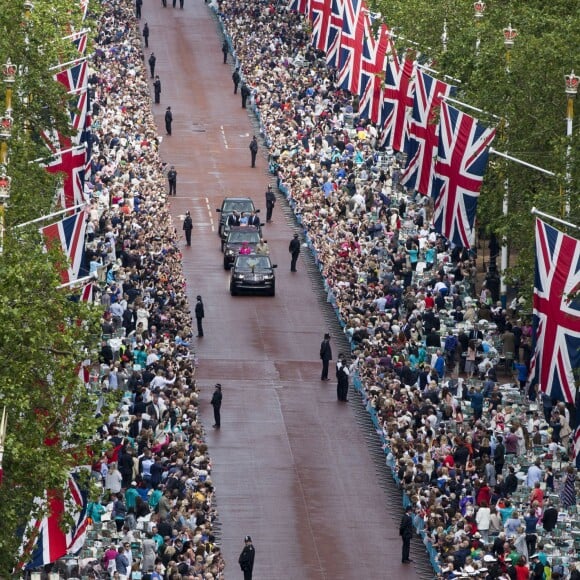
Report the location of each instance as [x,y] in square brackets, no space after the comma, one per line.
[51,215]
[70,63]
[436,72]
[84,280]
[82,146]
[76,35]
[535,211]
[521,162]
[445,98]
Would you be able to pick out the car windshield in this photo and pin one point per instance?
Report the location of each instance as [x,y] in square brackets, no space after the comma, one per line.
[239,237]
[238,205]
[249,262]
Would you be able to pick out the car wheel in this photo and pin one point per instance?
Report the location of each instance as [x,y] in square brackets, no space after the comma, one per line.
[233,290]
[272,291]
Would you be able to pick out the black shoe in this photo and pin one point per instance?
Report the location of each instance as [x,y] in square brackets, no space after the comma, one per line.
[199,336]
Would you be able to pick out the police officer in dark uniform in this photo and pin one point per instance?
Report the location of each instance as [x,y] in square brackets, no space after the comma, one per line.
[246,559]
[270,203]
[406,533]
[342,374]
[236,80]
[294,249]
[216,403]
[199,316]
[187,227]
[168,120]
[245,92]
[325,356]
[157,89]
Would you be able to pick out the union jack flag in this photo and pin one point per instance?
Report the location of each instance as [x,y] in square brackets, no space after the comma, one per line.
[301,6]
[69,233]
[458,174]
[71,162]
[355,34]
[374,65]
[44,540]
[424,132]
[320,13]
[334,33]
[556,310]
[398,101]
[75,80]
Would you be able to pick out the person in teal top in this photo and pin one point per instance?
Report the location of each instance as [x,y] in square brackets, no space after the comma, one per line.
[131,496]
[413,256]
[140,356]
[95,510]
[154,498]
[430,257]
[157,537]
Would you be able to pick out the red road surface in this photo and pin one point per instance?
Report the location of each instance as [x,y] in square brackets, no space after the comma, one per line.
[290,464]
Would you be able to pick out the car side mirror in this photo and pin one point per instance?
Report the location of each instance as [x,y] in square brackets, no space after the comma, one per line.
[274,265]
[257,211]
[218,209]
[262,225]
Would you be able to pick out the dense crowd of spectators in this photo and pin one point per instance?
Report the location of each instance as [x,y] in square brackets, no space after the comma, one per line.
[487,467]
[154,517]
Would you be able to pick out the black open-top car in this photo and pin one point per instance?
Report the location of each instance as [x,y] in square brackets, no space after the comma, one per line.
[238,237]
[253,273]
[240,205]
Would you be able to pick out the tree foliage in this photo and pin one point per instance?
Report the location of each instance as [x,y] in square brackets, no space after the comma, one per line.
[530,97]
[44,334]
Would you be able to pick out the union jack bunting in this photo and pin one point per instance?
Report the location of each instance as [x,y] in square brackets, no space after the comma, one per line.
[355,34]
[398,101]
[44,538]
[374,64]
[69,233]
[458,174]
[577,447]
[556,311]
[301,6]
[334,33]
[320,13]
[424,132]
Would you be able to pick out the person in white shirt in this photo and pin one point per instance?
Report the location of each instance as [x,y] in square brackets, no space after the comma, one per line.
[535,474]
[114,479]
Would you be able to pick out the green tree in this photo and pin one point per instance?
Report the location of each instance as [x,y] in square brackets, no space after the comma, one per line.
[530,97]
[44,334]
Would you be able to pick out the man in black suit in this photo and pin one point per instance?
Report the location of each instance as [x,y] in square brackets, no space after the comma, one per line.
[406,533]
[254,220]
[475,333]
[325,356]
[137,425]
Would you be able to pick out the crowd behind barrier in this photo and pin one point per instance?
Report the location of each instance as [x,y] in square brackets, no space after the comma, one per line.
[155,516]
[484,458]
